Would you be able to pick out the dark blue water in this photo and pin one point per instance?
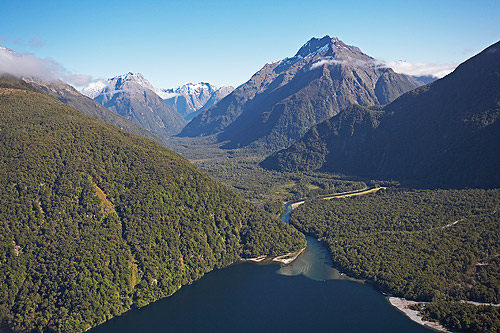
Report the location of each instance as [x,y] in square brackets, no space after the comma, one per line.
[306,296]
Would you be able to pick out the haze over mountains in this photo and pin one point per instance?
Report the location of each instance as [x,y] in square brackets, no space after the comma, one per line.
[444,133]
[285,98]
[40,74]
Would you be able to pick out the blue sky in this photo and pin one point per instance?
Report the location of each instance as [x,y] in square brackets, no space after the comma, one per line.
[225,42]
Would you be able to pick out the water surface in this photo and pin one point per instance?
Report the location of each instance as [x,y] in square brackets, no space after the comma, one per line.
[307,295]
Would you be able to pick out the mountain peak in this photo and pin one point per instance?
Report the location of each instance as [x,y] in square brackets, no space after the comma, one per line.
[191,98]
[315,46]
[325,71]
[328,47]
[97,87]
[136,78]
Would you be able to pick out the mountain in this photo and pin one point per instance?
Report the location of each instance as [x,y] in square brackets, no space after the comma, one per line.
[70,96]
[134,97]
[94,88]
[444,133]
[191,99]
[426,79]
[285,98]
[96,220]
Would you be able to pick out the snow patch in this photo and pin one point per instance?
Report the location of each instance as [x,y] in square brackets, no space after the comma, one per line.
[94,89]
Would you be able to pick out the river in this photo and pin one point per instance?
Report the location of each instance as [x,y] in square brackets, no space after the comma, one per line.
[307,295]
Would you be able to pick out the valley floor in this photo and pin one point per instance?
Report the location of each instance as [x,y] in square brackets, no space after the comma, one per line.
[240,170]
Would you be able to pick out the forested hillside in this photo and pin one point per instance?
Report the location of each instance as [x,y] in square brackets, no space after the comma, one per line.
[70,96]
[423,245]
[95,221]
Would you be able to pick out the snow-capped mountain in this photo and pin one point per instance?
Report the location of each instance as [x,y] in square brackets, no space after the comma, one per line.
[97,87]
[191,99]
[94,88]
[131,95]
[188,100]
[285,98]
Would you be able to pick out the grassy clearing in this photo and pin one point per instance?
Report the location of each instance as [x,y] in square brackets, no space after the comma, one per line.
[355,194]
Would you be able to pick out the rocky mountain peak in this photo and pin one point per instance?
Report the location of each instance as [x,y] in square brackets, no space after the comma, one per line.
[191,98]
[137,78]
[283,99]
[314,46]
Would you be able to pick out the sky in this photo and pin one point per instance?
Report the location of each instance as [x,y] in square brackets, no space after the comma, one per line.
[225,42]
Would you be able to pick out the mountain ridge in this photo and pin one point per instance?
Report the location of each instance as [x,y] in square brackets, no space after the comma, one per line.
[191,99]
[285,98]
[86,105]
[438,133]
[133,97]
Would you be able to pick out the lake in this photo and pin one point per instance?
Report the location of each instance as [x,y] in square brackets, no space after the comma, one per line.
[307,295]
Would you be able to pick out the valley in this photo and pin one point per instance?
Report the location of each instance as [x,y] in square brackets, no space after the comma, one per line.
[419,243]
[323,189]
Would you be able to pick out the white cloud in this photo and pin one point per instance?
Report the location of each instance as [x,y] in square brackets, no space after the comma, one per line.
[400,66]
[325,61]
[420,68]
[29,66]
[349,61]
[79,79]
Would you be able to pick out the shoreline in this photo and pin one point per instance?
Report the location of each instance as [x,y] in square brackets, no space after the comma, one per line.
[402,305]
[256,259]
[283,259]
[289,257]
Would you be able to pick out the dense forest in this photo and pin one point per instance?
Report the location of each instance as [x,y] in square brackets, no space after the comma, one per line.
[70,96]
[464,317]
[426,245]
[95,221]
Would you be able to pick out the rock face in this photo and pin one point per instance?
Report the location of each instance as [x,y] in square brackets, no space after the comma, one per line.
[191,99]
[285,98]
[444,133]
[134,98]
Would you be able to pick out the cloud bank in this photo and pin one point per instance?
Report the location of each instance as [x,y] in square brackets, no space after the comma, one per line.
[420,68]
[348,61]
[29,66]
[400,66]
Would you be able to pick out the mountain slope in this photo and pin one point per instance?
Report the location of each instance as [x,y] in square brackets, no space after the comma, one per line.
[442,133]
[191,99]
[134,98]
[70,96]
[351,129]
[96,220]
[285,98]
